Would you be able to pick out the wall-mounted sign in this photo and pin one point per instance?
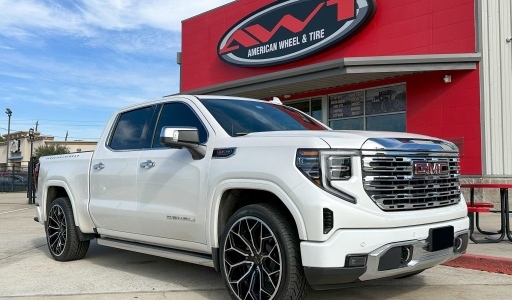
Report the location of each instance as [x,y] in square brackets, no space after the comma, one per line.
[285,31]
[386,100]
[346,105]
[14,146]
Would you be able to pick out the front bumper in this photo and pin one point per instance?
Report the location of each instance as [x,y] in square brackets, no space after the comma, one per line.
[324,263]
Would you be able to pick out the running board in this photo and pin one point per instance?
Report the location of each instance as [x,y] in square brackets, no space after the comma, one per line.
[190,257]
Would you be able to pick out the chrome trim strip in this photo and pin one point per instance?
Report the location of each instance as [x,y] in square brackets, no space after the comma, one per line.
[421,258]
[412,153]
[391,183]
[410,144]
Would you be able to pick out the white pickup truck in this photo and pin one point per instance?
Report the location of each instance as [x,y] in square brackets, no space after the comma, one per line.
[268,196]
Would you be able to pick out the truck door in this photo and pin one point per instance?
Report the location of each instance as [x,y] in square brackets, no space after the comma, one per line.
[114,169]
[171,186]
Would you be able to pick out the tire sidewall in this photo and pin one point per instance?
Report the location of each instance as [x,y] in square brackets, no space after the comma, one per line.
[258,212]
[63,203]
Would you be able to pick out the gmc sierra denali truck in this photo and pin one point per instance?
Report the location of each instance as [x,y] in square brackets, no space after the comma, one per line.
[274,200]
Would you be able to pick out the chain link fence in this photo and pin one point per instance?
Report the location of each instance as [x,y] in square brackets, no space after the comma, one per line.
[14,179]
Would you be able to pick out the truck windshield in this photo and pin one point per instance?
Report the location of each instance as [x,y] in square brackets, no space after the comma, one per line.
[239,117]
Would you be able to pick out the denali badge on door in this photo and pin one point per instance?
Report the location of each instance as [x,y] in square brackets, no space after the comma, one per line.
[285,31]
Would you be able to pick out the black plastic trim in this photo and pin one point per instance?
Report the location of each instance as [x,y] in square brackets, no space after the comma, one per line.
[328,220]
[332,276]
[216,258]
[84,236]
[356,283]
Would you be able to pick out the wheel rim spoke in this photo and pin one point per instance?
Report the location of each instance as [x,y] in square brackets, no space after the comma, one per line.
[252,260]
[56,230]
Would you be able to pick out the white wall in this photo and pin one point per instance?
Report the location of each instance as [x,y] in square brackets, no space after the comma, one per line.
[495,18]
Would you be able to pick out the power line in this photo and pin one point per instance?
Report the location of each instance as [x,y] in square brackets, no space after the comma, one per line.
[58,120]
[70,125]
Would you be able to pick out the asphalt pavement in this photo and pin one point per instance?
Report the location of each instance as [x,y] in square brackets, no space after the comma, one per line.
[28,271]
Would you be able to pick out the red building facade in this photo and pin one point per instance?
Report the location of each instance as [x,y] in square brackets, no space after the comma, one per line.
[427,47]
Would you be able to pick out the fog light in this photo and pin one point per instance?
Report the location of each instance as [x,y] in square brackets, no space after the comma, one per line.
[458,244]
[406,256]
[356,261]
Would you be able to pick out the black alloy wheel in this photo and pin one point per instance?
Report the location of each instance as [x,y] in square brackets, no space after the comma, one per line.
[252,259]
[57,230]
[61,233]
[260,256]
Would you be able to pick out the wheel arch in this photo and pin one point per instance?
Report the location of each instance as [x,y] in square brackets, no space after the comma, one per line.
[53,190]
[228,198]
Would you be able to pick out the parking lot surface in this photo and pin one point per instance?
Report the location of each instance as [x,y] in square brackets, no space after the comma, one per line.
[28,271]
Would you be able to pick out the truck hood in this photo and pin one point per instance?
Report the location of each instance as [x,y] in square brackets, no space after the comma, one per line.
[367,140]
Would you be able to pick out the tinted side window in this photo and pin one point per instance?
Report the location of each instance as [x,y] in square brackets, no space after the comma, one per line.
[130,128]
[178,115]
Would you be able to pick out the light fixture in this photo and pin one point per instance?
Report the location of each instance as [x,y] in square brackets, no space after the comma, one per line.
[31,134]
[447,78]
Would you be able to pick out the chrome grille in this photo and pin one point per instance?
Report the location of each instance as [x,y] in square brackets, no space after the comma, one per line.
[391,184]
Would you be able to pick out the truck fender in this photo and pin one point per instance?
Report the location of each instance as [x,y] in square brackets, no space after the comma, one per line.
[219,190]
[62,184]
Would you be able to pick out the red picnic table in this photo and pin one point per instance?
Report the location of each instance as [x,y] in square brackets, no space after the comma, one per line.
[481,207]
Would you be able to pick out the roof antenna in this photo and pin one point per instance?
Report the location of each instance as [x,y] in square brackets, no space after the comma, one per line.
[276,100]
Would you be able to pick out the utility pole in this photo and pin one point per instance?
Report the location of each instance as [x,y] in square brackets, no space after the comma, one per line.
[66,139]
[37,123]
[9,113]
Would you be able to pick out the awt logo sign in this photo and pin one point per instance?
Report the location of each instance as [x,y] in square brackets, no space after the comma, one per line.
[289,30]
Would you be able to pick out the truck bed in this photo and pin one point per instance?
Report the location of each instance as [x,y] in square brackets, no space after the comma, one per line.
[70,172]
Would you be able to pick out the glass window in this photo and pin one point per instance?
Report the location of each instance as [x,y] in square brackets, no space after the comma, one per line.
[239,117]
[348,124]
[316,108]
[311,107]
[394,122]
[130,129]
[178,115]
[302,106]
[385,100]
[380,109]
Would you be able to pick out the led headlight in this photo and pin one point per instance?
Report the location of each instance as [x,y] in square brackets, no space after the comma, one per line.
[308,161]
[339,168]
[325,166]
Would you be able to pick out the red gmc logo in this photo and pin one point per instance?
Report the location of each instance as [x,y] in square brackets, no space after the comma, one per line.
[431,169]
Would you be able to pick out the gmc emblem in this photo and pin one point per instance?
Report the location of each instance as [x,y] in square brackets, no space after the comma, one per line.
[424,169]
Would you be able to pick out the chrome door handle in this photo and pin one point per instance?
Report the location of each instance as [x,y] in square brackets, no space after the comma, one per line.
[98,166]
[147,164]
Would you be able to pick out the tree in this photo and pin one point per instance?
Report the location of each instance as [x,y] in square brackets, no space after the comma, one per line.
[1,139]
[50,149]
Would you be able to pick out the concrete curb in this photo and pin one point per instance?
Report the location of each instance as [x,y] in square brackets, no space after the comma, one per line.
[483,263]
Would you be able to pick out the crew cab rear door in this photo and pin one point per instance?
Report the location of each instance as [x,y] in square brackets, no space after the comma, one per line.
[171,185]
[113,175]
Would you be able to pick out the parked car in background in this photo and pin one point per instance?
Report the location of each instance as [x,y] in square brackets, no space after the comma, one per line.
[15,183]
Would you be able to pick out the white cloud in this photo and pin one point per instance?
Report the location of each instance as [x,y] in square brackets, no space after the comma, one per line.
[86,17]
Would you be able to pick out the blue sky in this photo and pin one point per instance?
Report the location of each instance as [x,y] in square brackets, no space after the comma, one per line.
[71,64]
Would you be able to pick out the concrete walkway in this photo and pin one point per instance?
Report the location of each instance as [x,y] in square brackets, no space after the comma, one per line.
[28,271]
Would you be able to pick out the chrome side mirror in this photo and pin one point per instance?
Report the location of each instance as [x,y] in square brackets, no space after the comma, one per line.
[183,137]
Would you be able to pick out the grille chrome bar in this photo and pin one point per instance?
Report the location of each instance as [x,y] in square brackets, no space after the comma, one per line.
[391,183]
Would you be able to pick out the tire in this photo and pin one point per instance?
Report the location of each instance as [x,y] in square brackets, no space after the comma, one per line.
[259,245]
[61,235]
